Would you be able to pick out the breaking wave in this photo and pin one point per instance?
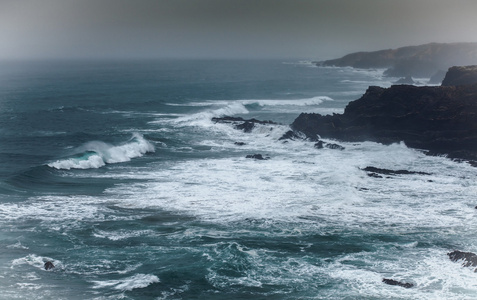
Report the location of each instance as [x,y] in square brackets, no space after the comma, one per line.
[96,154]
[137,281]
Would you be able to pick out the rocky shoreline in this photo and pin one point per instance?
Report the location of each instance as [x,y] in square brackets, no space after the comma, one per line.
[440,120]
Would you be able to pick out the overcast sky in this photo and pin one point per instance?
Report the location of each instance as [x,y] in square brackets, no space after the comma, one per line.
[307,29]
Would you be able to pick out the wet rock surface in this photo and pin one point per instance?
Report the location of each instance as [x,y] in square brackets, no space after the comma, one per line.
[466,75]
[240,123]
[398,283]
[468,259]
[441,120]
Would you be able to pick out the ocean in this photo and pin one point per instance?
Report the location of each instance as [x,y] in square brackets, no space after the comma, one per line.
[115,172]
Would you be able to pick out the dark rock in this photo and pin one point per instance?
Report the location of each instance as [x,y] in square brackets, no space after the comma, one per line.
[319,145]
[239,143]
[439,119]
[460,76]
[49,265]
[334,146]
[398,283]
[292,135]
[257,156]
[373,171]
[375,175]
[240,123]
[468,259]
[245,126]
[418,61]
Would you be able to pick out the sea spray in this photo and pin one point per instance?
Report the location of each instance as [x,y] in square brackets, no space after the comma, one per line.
[96,154]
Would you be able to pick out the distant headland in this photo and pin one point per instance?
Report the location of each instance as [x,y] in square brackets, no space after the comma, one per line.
[413,61]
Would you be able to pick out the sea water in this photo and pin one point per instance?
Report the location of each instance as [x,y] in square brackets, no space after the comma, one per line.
[116,173]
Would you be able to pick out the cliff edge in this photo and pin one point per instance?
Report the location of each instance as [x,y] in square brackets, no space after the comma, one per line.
[438,119]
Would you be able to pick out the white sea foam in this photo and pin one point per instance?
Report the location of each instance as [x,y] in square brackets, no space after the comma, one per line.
[206,115]
[59,211]
[137,281]
[293,102]
[35,261]
[97,154]
[17,245]
[303,181]
[263,102]
[121,234]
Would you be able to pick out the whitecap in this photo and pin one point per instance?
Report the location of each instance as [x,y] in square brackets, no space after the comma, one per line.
[34,260]
[137,281]
[288,102]
[96,154]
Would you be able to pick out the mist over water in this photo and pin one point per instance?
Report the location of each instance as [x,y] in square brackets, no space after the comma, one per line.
[117,174]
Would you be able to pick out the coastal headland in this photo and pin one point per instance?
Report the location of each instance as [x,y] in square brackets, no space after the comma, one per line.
[441,120]
[429,60]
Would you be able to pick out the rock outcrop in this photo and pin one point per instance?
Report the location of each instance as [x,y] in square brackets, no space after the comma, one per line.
[438,119]
[257,157]
[377,172]
[468,259]
[460,76]
[48,265]
[417,61]
[398,283]
[240,123]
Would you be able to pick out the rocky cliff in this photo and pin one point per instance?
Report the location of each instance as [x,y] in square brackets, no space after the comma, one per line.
[438,119]
[460,76]
[417,61]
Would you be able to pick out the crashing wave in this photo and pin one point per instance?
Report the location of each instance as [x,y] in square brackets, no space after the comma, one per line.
[96,154]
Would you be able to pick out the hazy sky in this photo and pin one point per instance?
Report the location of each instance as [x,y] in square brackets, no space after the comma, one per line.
[306,29]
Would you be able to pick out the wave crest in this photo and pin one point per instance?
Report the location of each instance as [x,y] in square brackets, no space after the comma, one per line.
[137,281]
[294,102]
[96,154]
[229,109]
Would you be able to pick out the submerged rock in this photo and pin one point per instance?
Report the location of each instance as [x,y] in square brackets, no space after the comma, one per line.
[321,144]
[374,172]
[240,123]
[468,259]
[398,283]
[334,146]
[257,156]
[49,265]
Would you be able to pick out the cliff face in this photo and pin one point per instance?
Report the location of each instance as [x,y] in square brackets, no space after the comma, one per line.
[442,120]
[460,76]
[416,61]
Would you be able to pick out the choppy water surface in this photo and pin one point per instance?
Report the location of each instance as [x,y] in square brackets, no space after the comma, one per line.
[116,173]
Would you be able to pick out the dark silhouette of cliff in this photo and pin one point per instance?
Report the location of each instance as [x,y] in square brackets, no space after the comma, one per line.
[460,76]
[438,119]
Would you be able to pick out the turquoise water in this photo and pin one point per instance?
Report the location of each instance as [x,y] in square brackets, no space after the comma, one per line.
[115,172]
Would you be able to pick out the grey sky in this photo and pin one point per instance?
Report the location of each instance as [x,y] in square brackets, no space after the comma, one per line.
[307,29]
